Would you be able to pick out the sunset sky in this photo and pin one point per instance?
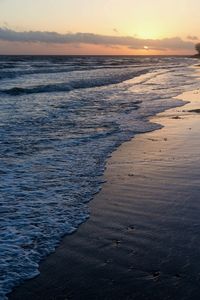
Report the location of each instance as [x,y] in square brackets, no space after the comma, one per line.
[99,26]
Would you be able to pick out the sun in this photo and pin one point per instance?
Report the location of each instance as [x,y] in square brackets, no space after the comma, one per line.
[146,47]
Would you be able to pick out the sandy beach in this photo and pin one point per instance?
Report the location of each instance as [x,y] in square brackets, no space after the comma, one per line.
[142,238]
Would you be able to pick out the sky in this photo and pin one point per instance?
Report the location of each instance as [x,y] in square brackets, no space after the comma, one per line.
[113,27]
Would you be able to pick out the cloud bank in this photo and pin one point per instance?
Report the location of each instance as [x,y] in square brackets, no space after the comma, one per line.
[173,43]
[192,37]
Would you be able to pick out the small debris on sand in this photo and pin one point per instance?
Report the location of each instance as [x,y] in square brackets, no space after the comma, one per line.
[130,228]
[131,174]
[116,243]
[197,110]
[153,140]
[156,275]
[176,117]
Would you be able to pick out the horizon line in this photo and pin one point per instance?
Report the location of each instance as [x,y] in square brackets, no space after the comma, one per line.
[142,55]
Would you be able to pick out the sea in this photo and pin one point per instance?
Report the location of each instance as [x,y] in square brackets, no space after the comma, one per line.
[61,117]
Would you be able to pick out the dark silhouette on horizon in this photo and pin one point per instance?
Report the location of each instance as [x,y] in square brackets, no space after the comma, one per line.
[197,48]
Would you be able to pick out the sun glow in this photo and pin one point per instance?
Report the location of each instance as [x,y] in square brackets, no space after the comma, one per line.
[150,31]
[141,24]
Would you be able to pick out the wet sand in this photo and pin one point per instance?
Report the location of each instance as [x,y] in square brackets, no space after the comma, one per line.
[142,240]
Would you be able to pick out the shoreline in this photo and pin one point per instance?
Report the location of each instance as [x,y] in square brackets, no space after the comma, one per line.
[138,240]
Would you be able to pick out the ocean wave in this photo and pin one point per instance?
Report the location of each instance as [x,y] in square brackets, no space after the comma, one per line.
[13,67]
[74,84]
